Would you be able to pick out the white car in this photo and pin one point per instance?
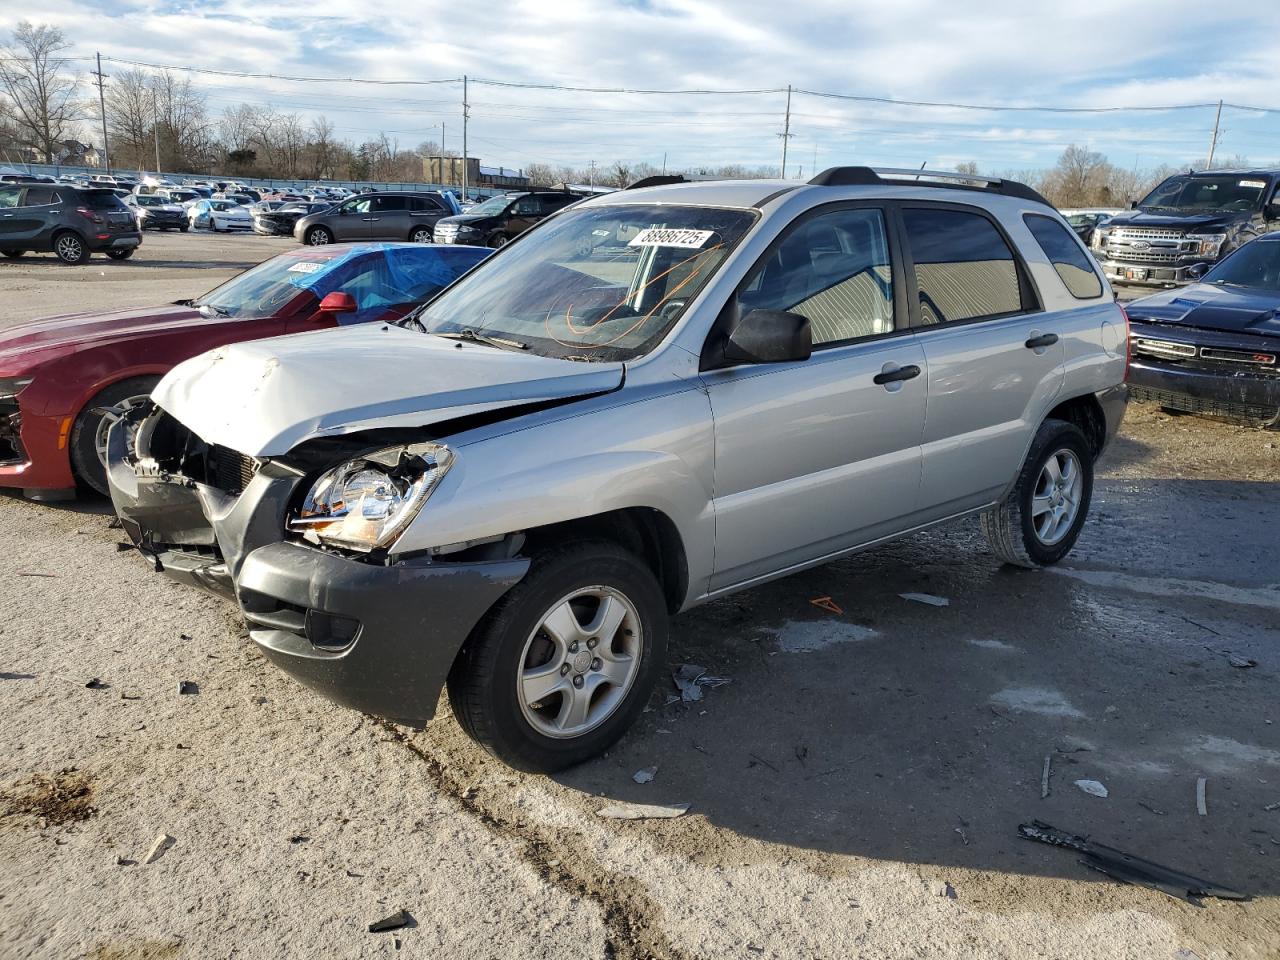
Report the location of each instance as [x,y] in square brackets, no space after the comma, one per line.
[220,216]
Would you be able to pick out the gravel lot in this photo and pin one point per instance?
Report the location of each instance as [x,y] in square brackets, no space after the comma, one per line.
[855,789]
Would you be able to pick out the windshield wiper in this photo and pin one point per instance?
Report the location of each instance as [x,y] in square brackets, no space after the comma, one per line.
[466,333]
[410,320]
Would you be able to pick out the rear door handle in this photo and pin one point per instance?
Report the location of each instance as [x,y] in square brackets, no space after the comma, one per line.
[909,372]
[1043,340]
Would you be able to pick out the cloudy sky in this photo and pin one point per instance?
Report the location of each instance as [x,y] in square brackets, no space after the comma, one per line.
[1086,54]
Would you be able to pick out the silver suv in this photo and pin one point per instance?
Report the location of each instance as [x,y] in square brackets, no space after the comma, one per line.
[650,400]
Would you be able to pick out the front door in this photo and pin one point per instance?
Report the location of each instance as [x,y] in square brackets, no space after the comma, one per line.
[995,359]
[817,456]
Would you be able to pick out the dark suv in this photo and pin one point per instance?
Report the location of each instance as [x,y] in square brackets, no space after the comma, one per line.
[1186,225]
[69,221]
[377,216]
[500,219]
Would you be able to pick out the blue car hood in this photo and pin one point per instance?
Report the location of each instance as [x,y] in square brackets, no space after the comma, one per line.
[1212,307]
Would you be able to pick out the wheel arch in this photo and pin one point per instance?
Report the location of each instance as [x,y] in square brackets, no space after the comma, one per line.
[1085,411]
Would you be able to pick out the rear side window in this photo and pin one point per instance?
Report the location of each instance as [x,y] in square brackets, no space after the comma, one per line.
[429,204]
[39,197]
[1074,266]
[389,204]
[964,268]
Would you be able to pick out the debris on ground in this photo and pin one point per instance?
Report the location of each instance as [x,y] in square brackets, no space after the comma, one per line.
[964,837]
[928,598]
[827,604]
[1147,806]
[188,687]
[690,678]
[96,684]
[1092,787]
[158,847]
[1272,806]
[123,547]
[23,573]
[1243,663]
[130,696]
[941,888]
[396,921]
[646,775]
[1044,777]
[1127,868]
[1202,807]
[125,862]
[643,811]
[300,838]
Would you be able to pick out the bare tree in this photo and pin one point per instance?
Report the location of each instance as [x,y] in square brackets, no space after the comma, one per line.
[129,103]
[185,131]
[41,95]
[322,148]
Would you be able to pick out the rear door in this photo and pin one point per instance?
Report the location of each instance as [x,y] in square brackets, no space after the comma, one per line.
[817,456]
[525,212]
[389,218]
[424,212]
[995,359]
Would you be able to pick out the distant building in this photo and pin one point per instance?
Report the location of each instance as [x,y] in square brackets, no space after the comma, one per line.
[77,154]
[448,172]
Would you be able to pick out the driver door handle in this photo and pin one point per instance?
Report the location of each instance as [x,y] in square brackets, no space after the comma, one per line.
[1043,340]
[909,372]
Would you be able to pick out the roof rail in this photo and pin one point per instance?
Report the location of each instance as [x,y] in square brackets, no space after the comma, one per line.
[867,176]
[657,180]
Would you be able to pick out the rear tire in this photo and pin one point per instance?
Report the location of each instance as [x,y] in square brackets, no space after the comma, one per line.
[498,240]
[183,229]
[70,247]
[1038,523]
[87,435]
[600,666]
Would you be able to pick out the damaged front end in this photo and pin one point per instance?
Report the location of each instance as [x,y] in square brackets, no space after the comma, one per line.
[371,630]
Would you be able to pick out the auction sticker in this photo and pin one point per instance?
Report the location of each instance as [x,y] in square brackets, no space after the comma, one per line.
[305,266]
[665,237]
[1252,183]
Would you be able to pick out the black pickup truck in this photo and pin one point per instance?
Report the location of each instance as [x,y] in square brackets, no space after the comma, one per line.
[1187,224]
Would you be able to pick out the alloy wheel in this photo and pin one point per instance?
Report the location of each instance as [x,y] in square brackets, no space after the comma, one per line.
[105,422]
[70,247]
[1056,499]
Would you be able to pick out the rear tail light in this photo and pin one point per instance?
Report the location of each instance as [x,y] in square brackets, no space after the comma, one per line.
[89,214]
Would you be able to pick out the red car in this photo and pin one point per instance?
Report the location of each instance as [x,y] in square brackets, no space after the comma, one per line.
[58,375]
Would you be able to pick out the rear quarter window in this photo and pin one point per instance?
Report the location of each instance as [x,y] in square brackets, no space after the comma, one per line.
[101,200]
[1073,264]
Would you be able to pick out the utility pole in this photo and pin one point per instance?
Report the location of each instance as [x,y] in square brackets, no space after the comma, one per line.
[664,164]
[466,114]
[155,127]
[102,106]
[591,175]
[786,133]
[1213,141]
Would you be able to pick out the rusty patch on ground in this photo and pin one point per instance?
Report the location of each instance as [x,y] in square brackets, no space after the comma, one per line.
[142,950]
[66,797]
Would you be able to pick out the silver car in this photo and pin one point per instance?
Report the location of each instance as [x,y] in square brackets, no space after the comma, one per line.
[652,399]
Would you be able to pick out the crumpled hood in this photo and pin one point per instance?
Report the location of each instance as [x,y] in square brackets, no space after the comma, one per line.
[1206,305]
[1190,222]
[77,331]
[264,397]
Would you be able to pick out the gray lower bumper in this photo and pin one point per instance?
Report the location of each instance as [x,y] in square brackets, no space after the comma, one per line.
[1148,274]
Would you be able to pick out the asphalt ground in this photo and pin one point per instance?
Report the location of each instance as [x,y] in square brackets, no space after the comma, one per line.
[855,788]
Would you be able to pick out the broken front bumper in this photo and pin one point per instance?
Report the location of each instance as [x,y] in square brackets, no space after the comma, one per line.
[377,638]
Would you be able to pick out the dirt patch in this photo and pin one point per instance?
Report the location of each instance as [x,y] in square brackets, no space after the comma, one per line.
[66,797]
[633,920]
[142,950]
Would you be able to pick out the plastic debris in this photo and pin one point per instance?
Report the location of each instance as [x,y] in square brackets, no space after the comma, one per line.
[827,604]
[643,811]
[189,687]
[1092,787]
[1201,805]
[928,598]
[396,921]
[1044,777]
[158,847]
[1272,806]
[96,684]
[941,888]
[690,678]
[1147,806]
[1242,663]
[646,775]
[1127,868]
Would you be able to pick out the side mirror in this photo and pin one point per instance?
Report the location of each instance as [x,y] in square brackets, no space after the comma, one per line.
[769,336]
[1272,209]
[1133,204]
[1197,270]
[338,302]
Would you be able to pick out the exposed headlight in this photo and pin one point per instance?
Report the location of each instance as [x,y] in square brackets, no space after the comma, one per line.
[1209,243]
[365,504]
[1099,238]
[466,229]
[12,387]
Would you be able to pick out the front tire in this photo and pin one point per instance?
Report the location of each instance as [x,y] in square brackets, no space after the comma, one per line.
[498,241]
[318,237]
[89,435]
[184,229]
[12,254]
[563,664]
[420,235]
[1038,523]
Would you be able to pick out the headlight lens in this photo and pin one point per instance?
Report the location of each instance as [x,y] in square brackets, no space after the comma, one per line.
[1209,243]
[1099,238]
[365,504]
[466,229]
[13,386]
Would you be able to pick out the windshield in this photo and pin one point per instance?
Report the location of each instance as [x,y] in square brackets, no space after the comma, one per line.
[1223,193]
[222,204]
[603,283]
[1256,264]
[491,207]
[144,200]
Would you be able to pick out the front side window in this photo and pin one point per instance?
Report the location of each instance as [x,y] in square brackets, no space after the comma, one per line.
[1074,266]
[835,270]
[527,207]
[596,283]
[964,268]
